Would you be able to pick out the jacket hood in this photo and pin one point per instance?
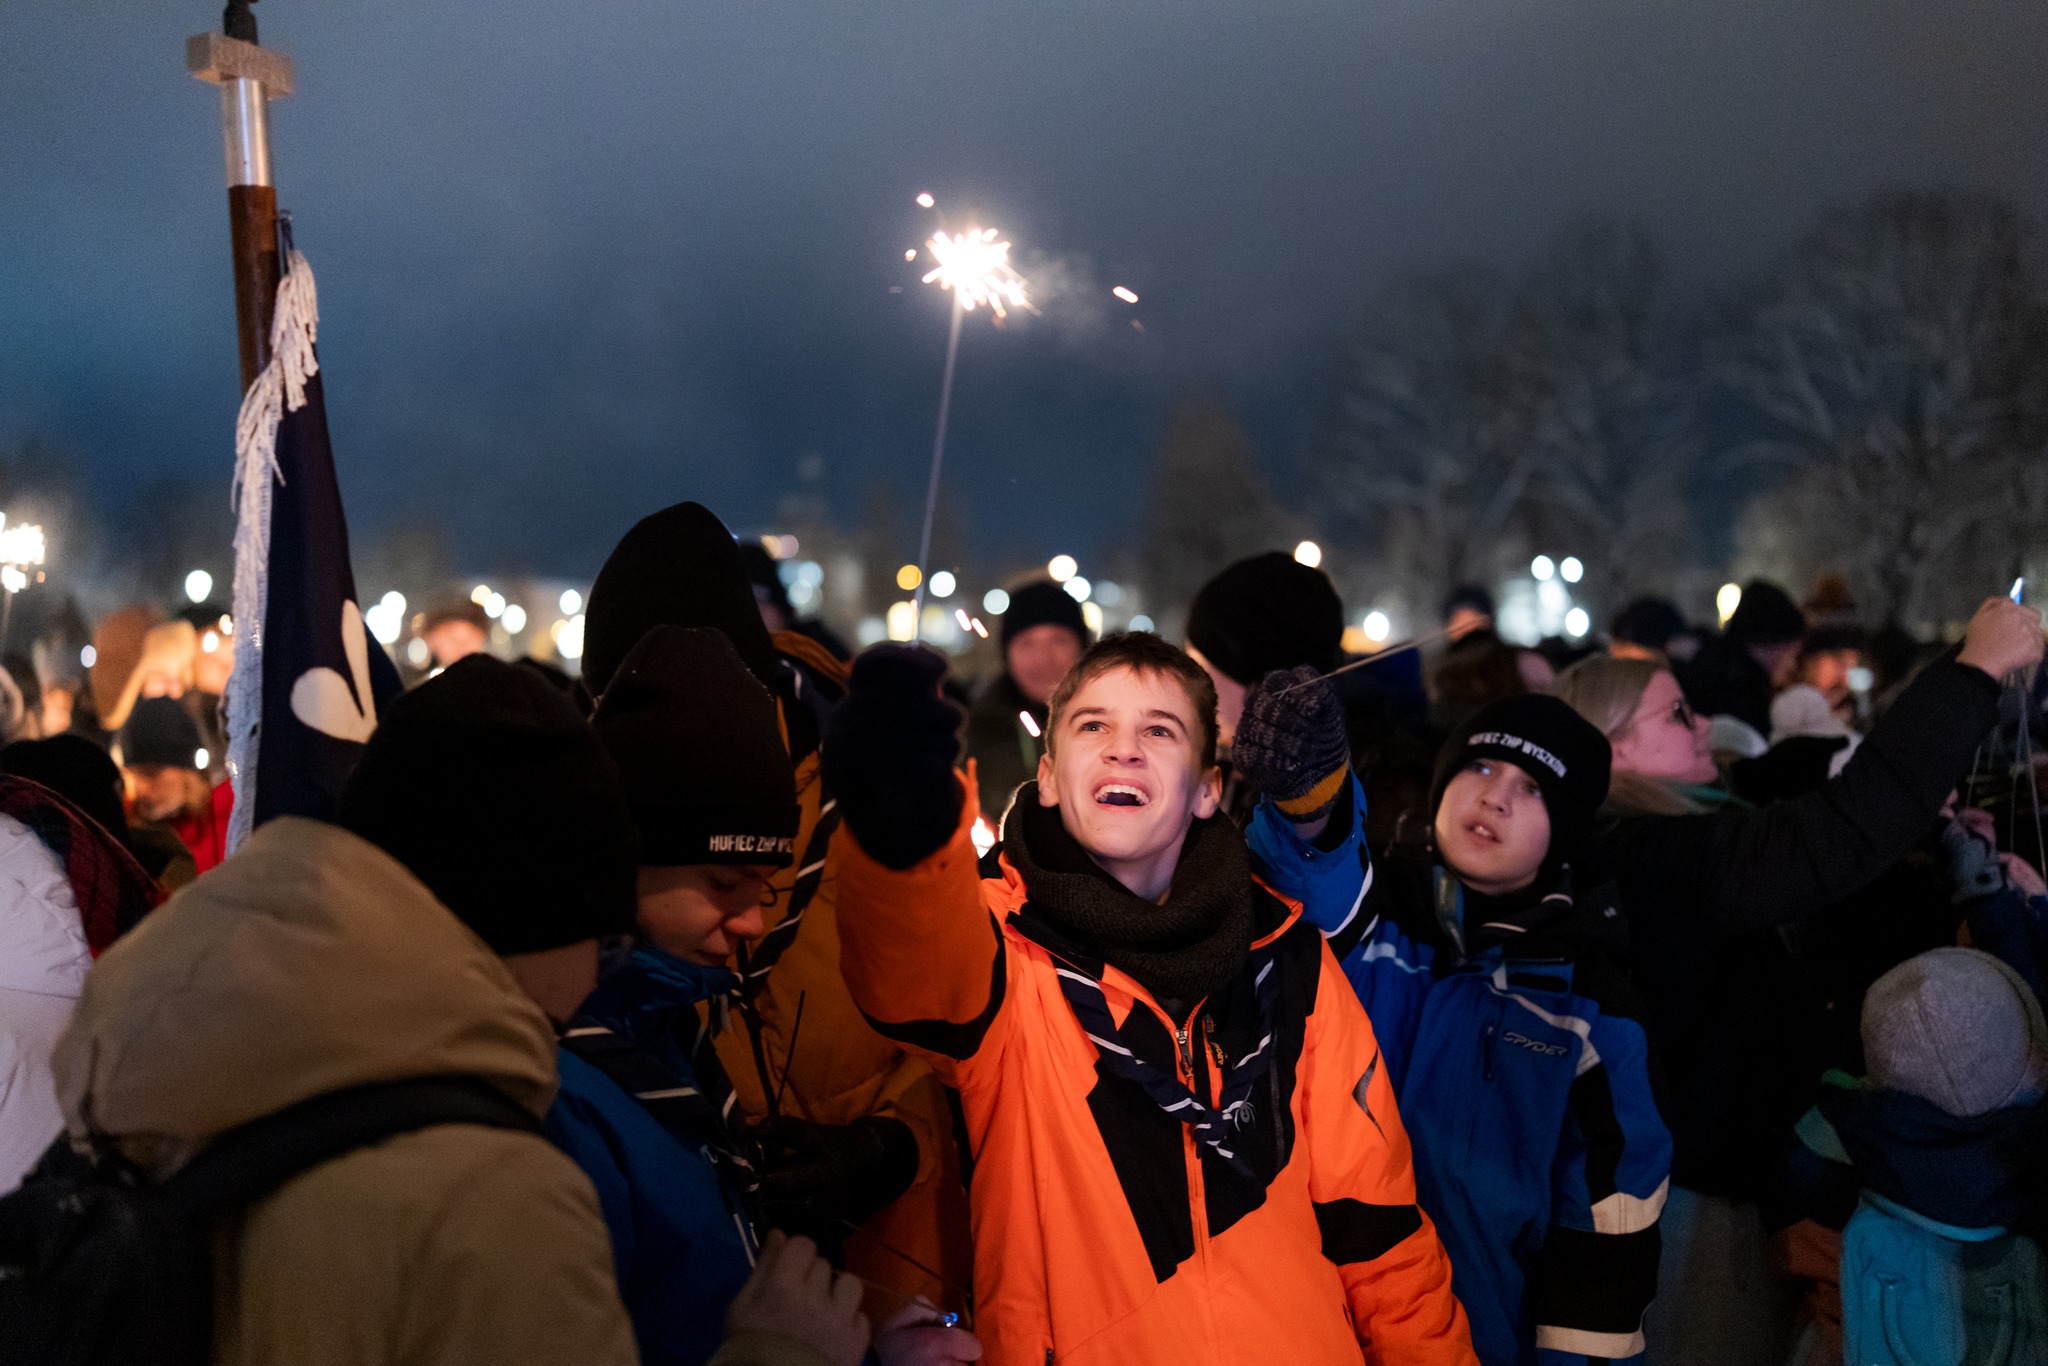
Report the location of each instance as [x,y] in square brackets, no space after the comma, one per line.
[642,998]
[309,962]
[42,935]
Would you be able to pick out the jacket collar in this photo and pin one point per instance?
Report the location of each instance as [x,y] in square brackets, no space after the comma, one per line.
[641,999]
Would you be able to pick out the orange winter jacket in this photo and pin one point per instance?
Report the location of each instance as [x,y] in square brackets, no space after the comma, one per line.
[1104,1235]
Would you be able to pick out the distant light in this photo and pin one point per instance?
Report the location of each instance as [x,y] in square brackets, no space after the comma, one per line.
[201,760]
[1141,622]
[1727,600]
[1062,568]
[571,602]
[514,618]
[942,584]
[960,615]
[980,628]
[386,618]
[1861,679]
[1078,588]
[983,835]
[494,606]
[1030,724]
[1577,623]
[1377,627]
[198,587]
[416,653]
[209,642]
[1109,594]
[88,657]
[12,578]
[871,631]
[1542,568]
[227,624]
[902,622]
[809,572]
[1308,553]
[480,594]
[780,547]
[995,602]
[907,579]
[1129,296]
[569,645]
[925,201]
[1091,616]
[1571,569]
[910,253]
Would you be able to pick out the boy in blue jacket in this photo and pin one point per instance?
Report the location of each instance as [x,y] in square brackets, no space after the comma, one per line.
[1504,1012]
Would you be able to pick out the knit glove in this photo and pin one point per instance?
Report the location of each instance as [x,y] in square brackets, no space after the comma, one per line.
[1291,743]
[1973,866]
[817,1178]
[889,754]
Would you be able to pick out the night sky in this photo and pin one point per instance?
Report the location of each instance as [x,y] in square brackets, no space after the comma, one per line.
[576,261]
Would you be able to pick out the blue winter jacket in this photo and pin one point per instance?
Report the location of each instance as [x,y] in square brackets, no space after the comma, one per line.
[1517,1051]
[681,1244]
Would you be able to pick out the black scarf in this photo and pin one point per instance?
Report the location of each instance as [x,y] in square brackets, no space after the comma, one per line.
[1183,950]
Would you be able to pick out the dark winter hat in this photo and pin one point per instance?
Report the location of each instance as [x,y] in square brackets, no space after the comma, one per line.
[1766,616]
[160,733]
[1043,603]
[1541,735]
[487,785]
[1959,1028]
[1648,622]
[678,567]
[75,769]
[1265,613]
[708,779]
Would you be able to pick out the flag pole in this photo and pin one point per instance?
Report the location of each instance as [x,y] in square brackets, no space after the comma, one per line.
[249,76]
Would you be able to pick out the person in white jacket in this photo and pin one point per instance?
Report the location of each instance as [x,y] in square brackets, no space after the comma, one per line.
[52,858]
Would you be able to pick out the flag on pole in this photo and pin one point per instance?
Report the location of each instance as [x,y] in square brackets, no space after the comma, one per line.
[308,682]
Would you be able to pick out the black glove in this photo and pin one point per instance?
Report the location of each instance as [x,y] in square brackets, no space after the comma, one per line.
[1291,742]
[817,1178]
[889,754]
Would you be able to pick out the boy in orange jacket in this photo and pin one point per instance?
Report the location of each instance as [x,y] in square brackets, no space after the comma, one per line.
[1186,1149]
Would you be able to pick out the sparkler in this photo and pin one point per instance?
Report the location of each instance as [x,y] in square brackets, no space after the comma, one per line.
[975,268]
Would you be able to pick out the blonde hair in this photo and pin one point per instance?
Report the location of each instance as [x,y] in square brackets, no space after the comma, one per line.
[1607,691]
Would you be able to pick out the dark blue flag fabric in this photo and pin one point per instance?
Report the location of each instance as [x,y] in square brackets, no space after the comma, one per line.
[309,682]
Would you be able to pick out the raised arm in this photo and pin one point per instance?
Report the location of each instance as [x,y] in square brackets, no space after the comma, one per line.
[1749,869]
[922,955]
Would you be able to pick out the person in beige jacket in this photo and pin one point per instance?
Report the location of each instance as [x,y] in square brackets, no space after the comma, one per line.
[309,962]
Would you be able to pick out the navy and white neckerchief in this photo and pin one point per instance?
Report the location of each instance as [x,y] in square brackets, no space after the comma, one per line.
[1212,1126]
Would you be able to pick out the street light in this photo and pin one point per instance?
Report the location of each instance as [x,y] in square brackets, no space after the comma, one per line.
[1542,568]
[1571,569]
[1308,553]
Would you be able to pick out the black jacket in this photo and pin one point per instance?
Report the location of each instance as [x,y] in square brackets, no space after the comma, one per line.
[1689,884]
[1005,753]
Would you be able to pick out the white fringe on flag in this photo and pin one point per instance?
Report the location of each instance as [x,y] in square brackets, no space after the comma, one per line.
[279,389]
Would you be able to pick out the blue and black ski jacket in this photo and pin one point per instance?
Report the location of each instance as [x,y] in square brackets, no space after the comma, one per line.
[1515,1043]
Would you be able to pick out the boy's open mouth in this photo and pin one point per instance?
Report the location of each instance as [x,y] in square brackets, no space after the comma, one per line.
[1481,830]
[1121,794]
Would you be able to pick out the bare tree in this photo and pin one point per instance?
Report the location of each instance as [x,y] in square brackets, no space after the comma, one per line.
[1210,505]
[1435,451]
[1617,430]
[1896,364]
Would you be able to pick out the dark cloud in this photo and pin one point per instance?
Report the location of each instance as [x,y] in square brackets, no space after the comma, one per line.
[575,260]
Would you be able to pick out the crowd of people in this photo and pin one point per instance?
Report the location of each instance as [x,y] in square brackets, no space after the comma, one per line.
[1674,1000]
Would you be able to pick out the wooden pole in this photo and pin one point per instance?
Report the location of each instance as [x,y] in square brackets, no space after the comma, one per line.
[249,77]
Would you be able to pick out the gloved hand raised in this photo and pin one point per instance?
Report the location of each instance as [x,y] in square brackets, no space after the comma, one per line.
[889,754]
[1291,743]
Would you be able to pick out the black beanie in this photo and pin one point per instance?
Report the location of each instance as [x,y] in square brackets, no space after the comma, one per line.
[1043,603]
[1766,616]
[162,734]
[764,576]
[678,567]
[486,784]
[1648,622]
[708,779]
[75,769]
[1541,735]
[1265,613]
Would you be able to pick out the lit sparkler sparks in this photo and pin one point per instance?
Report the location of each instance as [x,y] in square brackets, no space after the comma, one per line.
[976,268]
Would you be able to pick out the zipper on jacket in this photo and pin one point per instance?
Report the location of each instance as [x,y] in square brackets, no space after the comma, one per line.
[1187,1056]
